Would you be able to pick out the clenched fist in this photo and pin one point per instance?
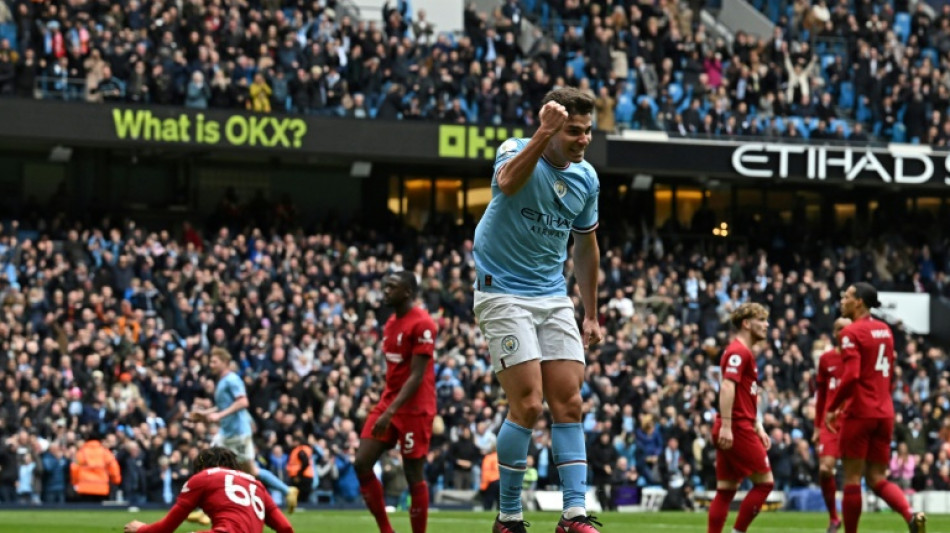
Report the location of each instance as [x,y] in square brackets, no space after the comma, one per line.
[553,117]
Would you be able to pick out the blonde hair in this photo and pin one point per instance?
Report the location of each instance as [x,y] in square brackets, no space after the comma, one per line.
[222,354]
[746,311]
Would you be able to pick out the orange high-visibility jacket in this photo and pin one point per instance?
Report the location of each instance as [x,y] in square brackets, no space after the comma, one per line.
[294,464]
[93,469]
[490,470]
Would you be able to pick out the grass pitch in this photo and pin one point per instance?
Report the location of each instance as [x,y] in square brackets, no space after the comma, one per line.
[332,521]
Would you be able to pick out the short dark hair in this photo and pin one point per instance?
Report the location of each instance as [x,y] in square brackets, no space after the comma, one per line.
[408,279]
[746,311]
[576,101]
[867,293]
[216,456]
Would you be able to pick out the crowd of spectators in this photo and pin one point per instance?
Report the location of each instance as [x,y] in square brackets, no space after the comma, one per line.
[107,326]
[836,70]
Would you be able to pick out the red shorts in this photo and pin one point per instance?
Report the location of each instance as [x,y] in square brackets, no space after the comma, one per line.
[747,455]
[866,438]
[828,442]
[411,432]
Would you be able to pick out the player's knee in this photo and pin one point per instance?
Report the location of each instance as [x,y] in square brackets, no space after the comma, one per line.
[527,411]
[568,409]
[825,471]
[362,464]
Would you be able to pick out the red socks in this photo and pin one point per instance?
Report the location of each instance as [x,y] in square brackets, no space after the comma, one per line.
[719,510]
[419,508]
[751,504]
[372,491]
[894,496]
[851,507]
[828,489]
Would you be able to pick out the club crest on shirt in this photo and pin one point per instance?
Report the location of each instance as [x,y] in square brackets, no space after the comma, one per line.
[510,344]
[560,188]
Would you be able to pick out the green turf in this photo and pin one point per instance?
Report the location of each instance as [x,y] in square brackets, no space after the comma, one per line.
[40,521]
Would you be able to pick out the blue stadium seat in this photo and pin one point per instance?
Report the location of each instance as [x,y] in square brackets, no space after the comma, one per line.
[932,54]
[8,31]
[863,114]
[623,114]
[902,26]
[653,105]
[687,100]
[900,134]
[826,61]
[579,63]
[846,98]
[676,92]
[835,122]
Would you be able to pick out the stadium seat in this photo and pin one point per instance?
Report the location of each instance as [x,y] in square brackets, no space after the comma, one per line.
[653,105]
[863,114]
[676,92]
[846,98]
[835,122]
[8,31]
[624,111]
[579,64]
[900,134]
[932,54]
[902,26]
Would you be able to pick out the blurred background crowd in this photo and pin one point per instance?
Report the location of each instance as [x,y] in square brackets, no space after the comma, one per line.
[107,325]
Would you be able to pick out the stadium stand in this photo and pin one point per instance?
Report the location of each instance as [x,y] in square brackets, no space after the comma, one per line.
[107,325]
[323,58]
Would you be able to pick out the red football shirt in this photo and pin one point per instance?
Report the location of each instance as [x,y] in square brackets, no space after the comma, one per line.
[867,353]
[235,501]
[828,379]
[404,338]
[738,364]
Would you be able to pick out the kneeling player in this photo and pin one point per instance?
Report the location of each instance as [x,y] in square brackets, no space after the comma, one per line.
[235,501]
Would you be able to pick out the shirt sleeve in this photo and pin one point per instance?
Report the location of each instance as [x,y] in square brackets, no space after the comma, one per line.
[506,151]
[187,502]
[237,388]
[273,517]
[734,366]
[423,338]
[588,220]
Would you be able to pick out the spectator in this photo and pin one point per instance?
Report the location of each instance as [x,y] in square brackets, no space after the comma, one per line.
[490,480]
[94,471]
[25,479]
[198,92]
[55,467]
[902,466]
[803,465]
[602,457]
[260,94]
[110,88]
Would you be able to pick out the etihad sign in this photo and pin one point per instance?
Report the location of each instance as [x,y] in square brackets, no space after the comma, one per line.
[901,164]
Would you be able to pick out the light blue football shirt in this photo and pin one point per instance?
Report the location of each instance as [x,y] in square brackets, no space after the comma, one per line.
[226,392]
[521,240]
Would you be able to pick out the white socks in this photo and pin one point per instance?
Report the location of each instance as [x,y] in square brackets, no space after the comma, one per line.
[519,517]
[572,512]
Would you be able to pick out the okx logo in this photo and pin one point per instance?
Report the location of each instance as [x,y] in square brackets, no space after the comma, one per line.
[473,142]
